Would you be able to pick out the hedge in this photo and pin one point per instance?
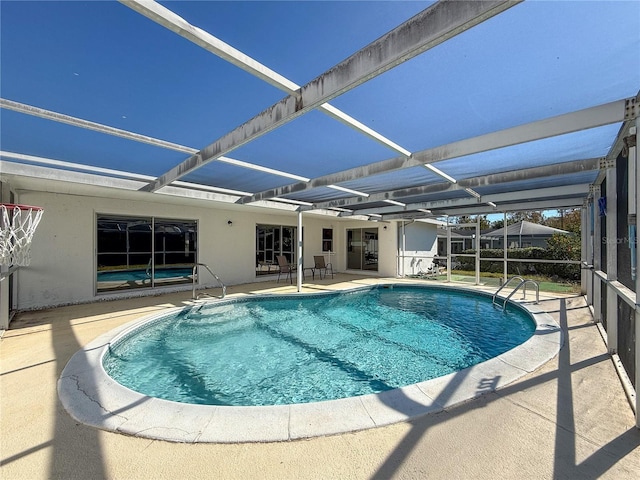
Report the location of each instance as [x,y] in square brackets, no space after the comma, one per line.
[561,271]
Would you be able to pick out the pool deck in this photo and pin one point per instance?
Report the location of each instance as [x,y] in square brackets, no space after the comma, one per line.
[567,419]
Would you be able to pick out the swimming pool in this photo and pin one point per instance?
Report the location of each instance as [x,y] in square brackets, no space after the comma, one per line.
[277,350]
[92,397]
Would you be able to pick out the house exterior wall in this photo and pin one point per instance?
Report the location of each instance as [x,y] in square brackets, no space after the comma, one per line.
[420,246]
[513,241]
[387,248]
[63,265]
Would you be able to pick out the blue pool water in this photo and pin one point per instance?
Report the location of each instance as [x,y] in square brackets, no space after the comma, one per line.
[141,274]
[299,349]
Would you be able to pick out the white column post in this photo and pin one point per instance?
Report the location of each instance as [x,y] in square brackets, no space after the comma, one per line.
[448,251]
[633,158]
[612,259]
[5,197]
[504,248]
[595,251]
[404,249]
[300,253]
[478,250]
[4,298]
[583,250]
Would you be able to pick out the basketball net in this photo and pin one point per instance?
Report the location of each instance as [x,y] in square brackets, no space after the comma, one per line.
[17,226]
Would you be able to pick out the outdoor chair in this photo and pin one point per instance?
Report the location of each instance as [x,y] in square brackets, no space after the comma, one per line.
[286,268]
[320,265]
[432,271]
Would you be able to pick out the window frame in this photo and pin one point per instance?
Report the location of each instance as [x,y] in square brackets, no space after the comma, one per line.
[283,235]
[148,274]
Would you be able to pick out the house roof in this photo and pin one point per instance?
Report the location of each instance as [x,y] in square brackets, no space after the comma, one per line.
[525,228]
[381,109]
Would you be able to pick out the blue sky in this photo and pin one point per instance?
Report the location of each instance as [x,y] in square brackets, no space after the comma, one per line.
[103,62]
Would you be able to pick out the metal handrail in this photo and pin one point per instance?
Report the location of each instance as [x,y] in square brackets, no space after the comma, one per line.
[493,300]
[523,283]
[193,276]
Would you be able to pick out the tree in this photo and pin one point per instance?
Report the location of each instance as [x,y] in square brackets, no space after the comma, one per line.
[533,216]
[569,219]
[562,246]
[496,224]
[484,223]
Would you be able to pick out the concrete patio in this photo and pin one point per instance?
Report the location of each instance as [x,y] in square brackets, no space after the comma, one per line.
[568,419]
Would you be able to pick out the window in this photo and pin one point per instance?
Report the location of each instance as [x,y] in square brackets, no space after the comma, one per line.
[272,241]
[144,252]
[327,240]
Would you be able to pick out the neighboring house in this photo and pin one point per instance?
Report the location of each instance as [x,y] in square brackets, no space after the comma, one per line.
[461,239]
[520,235]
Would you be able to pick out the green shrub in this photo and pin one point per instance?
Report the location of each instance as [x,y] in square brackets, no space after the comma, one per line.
[559,247]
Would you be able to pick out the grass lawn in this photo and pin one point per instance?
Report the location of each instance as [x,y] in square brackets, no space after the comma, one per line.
[493,279]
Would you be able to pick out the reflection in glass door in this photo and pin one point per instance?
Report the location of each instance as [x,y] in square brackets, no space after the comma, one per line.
[354,249]
[362,249]
[272,241]
[144,252]
[175,251]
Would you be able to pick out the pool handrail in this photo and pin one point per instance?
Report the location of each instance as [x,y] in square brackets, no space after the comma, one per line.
[523,283]
[193,276]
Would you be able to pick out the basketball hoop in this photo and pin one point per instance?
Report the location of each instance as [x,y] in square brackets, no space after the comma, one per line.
[17,225]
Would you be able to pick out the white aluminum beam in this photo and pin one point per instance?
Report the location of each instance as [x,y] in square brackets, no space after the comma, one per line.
[114,173]
[174,22]
[56,174]
[156,142]
[573,202]
[89,125]
[593,117]
[566,168]
[427,29]
[577,190]
[170,20]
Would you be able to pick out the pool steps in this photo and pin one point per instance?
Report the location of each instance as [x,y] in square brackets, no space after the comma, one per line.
[194,276]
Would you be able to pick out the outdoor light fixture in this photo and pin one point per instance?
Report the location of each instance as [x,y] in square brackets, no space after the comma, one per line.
[492,204]
[393,202]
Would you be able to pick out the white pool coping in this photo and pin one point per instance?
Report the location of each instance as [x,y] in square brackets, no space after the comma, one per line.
[93,398]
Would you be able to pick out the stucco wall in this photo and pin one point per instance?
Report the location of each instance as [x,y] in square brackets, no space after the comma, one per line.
[62,269]
[420,246]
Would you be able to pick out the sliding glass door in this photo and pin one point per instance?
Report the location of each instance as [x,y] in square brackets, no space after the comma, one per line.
[362,249]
